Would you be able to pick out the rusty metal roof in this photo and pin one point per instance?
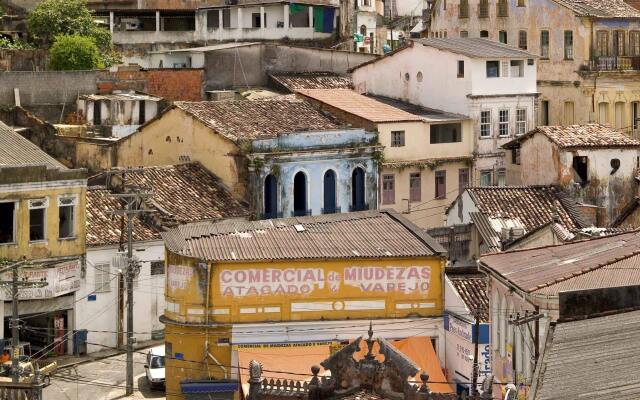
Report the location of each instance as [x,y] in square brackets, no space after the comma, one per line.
[16,150]
[105,229]
[601,8]
[577,265]
[367,234]
[311,80]
[472,289]
[187,193]
[359,105]
[238,120]
[580,136]
[591,359]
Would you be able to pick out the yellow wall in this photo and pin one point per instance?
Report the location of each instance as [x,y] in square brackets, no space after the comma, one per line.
[338,293]
[52,246]
[175,138]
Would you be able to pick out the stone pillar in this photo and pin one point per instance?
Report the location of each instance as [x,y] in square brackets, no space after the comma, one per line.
[220,19]
[111,21]
[240,18]
[311,16]
[157,21]
[262,19]
[286,15]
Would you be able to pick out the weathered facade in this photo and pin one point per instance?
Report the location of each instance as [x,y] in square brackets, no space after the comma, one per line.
[588,69]
[310,272]
[493,84]
[427,153]
[593,164]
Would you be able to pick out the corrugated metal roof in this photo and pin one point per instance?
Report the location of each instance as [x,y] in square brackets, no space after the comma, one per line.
[533,270]
[359,105]
[592,359]
[476,47]
[489,235]
[368,234]
[16,150]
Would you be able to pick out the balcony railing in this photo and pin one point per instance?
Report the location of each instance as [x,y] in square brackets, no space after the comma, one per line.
[616,63]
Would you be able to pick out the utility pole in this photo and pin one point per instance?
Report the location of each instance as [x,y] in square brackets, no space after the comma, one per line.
[132,198]
[476,367]
[15,320]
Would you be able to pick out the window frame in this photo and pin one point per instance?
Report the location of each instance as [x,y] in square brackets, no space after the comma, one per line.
[71,201]
[400,136]
[460,68]
[44,205]
[486,124]
[463,183]
[483,9]
[520,68]
[440,175]
[545,44]
[153,267]
[568,47]
[522,39]
[634,43]
[492,62]
[521,121]
[602,44]
[14,228]
[619,45]
[506,37]
[502,8]
[488,173]
[463,9]
[415,192]
[103,286]
[388,179]
[503,124]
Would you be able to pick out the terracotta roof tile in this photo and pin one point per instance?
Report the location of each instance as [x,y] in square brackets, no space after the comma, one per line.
[359,105]
[576,265]
[476,47]
[472,289]
[103,228]
[581,136]
[368,234]
[601,8]
[238,120]
[311,80]
[187,193]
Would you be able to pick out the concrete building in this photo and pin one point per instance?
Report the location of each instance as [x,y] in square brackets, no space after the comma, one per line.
[268,287]
[595,165]
[421,148]
[529,289]
[492,83]
[117,114]
[516,217]
[42,219]
[180,194]
[588,50]
[465,298]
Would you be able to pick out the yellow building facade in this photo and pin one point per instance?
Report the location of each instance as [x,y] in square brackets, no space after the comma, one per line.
[214,305]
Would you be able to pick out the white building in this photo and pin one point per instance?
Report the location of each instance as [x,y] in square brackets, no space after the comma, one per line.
[493,83]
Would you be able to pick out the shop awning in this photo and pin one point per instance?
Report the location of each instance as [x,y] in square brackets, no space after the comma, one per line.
[420,350]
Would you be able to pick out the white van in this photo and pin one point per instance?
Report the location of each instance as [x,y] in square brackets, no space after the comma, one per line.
[155,367]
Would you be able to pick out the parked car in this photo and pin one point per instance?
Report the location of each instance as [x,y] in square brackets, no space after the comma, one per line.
[155,367]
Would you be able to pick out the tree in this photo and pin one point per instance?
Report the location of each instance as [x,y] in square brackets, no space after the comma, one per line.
[74,52]
[59,17]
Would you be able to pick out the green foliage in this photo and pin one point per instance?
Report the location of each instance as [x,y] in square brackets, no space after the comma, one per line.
[6,43]
[74,52]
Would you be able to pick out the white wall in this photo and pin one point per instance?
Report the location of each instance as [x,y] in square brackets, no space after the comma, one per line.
[503,85]
[102,314]
[468,206]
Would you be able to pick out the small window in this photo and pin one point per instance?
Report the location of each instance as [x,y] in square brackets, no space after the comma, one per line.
[501,177]
[521,121]
[544,112]
[463,11]
[517,68]
[415,187]
[521,3]
[407,76]
[397,138]
[464,34]
[502,37]
[503,123]
[503,8]
[102,275]
[66,217]
[441,184]
[445,133]
[486,178]
[7,222]
[544,44]
[157,267]
[142,112]
[37,219]
[619,114]
[515,156]
[603,113]
[388,189]
[504,69]
[568,113]
[483,11]
[615,165]
[463,179]
[522,40]
[460,69]
[580,167]
[568,45]
[485,124]
[213,19]
[484,34]
[226,18]
[493,69]
[419,76]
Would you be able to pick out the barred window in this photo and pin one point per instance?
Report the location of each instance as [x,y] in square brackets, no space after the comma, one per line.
[503,8]
[463,11]
[483,9]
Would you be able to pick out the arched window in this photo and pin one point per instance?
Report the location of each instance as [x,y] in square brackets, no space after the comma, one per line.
[329,205]
[300,194]
[270,197]
[357,190]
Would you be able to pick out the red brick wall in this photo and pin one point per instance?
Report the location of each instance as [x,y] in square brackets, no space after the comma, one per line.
[170,84]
